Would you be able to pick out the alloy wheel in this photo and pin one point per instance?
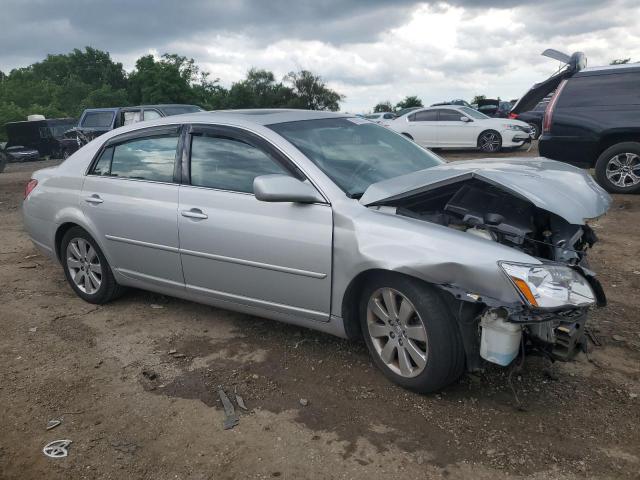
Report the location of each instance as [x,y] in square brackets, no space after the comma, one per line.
[623,170]
[84,266]
[489,142]
[397,332]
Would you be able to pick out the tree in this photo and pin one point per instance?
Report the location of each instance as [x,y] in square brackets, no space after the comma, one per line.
[383,107]
[477,98]
[410,101]
[620,61]
[311,92]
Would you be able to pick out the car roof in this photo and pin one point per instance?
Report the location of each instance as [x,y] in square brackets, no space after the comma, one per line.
[265,116]
[608,69]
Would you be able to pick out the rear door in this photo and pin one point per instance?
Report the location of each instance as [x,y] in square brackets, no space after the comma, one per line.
[452,131]
[423,127]
[130,197]
[235,248]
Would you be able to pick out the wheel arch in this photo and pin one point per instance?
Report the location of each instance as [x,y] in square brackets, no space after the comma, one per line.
[612,138]
[70,218]
[351,298]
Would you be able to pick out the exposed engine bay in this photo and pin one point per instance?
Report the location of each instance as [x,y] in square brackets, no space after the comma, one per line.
[494,213]
[490,212]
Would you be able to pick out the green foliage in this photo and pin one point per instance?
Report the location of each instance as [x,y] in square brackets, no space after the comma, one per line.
[410,101]
[477,98]
[383,107]
[65,84]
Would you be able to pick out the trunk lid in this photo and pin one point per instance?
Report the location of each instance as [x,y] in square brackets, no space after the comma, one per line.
[556,187]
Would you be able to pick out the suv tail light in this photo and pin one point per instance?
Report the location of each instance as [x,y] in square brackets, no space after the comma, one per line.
[548,113]
[513,115]
[30,186]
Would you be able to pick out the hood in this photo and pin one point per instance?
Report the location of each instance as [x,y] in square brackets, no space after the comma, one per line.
[556,187]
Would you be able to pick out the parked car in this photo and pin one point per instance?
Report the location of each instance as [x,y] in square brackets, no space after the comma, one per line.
[20,153]
[332,222]
[97,121]
[453,126]
[593,121]
[46,135]
[382,118]
[533,117]
[495,108]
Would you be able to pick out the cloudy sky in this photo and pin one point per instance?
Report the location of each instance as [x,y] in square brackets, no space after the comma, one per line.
[369,50]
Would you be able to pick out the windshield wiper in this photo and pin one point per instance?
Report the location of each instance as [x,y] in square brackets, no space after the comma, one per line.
[356,195]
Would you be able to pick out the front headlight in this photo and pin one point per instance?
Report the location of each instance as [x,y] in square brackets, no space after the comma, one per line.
[549,286]
[513,127]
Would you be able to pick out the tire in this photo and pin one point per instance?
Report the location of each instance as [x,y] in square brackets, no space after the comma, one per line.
[535,129]
[430,334]
[618,168]
[490,141]
[3,161]
[79,253]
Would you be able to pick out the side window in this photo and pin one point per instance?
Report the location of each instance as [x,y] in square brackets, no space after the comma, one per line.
[424,116]
[150,158]
[228,164]
[151,114]
[450,116]
[103,165]
[601,90]
[97,119]
[130,117]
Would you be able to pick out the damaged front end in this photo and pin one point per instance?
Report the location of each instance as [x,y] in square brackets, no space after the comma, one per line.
[556,289]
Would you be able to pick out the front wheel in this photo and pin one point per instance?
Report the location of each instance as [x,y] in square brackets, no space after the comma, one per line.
[490,141]
[86,268]
[535,130]
[410,333]
[618,168]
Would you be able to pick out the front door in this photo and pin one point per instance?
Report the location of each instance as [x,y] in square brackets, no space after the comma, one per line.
[131,200]
[274,256]
[453,132]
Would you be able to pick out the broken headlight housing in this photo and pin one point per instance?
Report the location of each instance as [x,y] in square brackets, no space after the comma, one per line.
[549,286]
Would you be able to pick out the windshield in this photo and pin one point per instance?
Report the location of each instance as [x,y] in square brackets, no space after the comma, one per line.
[355,153]
[473,113]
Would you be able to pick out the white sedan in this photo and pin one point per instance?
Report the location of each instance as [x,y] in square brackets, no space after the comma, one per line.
[457,126]
[382,118]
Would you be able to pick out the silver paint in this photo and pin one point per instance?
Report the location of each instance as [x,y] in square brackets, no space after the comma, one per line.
[287,261]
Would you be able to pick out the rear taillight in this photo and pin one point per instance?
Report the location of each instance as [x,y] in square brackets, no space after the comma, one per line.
[513,115]
[548,113]
[30,186]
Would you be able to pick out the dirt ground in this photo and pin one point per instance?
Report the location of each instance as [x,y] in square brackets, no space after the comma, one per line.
[133,410]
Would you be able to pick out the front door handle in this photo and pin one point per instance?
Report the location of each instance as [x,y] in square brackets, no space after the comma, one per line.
[194,213]
[95,199]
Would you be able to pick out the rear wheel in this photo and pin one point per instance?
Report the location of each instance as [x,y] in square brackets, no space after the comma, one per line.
[86,268]
[411,335]
[490,141]
[618,168]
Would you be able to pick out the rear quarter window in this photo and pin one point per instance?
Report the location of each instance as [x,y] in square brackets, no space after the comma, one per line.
[97,119]
[601,90]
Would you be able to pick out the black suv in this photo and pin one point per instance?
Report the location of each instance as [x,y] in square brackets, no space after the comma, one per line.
[593,121]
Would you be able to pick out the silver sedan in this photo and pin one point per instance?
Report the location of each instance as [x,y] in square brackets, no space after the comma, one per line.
[331,222]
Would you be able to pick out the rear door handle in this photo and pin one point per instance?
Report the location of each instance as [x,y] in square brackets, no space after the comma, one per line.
[95,199]
[194,213]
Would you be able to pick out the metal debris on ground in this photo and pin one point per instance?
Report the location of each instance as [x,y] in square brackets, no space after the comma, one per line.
[172,351]
[51,424]
[592,336]
[304,402]
[231,418]
[33,329]
[156,306]
[57,448]
[240,402]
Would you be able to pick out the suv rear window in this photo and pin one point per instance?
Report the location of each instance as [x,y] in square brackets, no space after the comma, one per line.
[98,119]
[601,90]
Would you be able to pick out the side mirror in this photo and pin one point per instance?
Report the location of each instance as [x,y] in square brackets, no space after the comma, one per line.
[283,188]
[465,119]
